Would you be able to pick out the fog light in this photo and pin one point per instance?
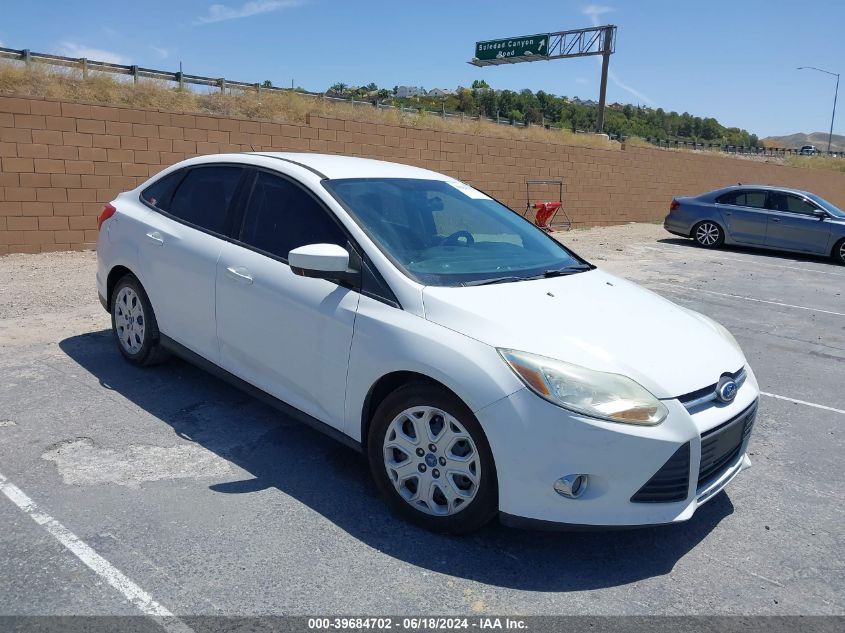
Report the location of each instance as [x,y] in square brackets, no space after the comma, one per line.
[571,486]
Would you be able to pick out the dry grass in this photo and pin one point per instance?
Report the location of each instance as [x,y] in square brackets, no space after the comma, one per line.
[65,84]
[817,162]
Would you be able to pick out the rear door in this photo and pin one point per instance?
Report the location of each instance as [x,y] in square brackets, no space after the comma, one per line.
[288,335]
[745,215]
[793,226]
[180,249]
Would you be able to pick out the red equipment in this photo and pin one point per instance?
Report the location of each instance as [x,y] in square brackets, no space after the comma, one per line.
[545,213]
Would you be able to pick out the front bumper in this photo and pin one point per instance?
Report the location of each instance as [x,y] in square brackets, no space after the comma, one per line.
[535,442]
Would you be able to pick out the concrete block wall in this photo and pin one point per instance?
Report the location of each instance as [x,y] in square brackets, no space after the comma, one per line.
[61,161]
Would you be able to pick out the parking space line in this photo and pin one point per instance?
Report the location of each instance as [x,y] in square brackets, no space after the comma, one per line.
[804,402]
[751,261]
[99,565]
[733,296]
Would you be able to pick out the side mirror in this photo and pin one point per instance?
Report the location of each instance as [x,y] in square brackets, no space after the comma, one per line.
[821,214]
[323,261]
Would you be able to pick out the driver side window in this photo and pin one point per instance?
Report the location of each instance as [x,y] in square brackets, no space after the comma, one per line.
[281,216]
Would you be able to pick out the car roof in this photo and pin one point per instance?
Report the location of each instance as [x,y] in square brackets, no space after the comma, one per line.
[332,166]
[758,187]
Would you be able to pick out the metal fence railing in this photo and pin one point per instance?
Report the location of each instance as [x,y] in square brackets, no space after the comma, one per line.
[757,150]
[87,66]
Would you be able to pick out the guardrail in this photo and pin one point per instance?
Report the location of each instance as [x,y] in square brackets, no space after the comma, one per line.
[87,66]
[757,150]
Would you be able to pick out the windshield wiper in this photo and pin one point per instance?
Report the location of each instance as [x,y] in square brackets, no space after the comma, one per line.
[560,272]
[495,280]
[569,270]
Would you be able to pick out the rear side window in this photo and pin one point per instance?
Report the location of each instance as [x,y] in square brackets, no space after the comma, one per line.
[755,199]
[161,191]
[282,216]
[203,196]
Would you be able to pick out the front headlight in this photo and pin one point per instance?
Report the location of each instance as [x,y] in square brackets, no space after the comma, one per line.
[592,393]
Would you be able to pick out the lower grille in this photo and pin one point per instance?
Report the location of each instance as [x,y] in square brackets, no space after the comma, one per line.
[720,447]
[670,483]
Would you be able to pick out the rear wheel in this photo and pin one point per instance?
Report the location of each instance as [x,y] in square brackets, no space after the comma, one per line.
[708,234]
[431,460]
[839,252]
[134,323]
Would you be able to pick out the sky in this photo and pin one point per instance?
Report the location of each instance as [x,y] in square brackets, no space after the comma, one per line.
[732,60]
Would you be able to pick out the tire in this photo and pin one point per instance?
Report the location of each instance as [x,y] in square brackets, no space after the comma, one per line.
[838,253]
[708,234]
[133,323]
[459,492]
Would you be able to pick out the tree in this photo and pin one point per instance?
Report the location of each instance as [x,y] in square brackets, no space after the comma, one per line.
[480,84]
[267,84]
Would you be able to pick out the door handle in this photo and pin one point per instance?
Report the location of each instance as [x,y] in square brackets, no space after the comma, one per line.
[775,219]
[155,237]
[240,273]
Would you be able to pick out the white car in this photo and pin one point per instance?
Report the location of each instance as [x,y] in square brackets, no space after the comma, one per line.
[481,366]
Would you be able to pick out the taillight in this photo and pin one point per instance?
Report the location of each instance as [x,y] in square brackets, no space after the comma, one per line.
[107,212]
[675,204]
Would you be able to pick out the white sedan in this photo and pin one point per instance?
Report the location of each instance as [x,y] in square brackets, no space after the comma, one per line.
[481,366]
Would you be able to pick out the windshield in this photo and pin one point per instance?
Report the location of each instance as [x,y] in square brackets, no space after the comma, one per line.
[834,211]
[446,233]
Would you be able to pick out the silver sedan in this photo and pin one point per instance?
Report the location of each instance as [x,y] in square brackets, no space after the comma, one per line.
[767,217]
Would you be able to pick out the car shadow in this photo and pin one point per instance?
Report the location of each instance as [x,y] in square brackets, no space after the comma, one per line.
[280,453]
[748,250]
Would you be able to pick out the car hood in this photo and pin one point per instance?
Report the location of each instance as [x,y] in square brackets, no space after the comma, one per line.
[595,320]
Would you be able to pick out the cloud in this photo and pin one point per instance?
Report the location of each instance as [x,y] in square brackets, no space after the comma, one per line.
[619,83]
[221,13]
[162,53]
[593,11]
[72,49]
[582,80]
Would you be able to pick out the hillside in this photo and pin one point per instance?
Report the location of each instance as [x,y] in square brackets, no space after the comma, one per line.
[796,141]
[566,113]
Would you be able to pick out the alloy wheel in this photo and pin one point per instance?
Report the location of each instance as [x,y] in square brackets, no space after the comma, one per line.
[432,461]
[129,321]
[707,234]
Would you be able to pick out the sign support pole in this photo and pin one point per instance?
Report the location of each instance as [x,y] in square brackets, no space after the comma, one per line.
[605,62]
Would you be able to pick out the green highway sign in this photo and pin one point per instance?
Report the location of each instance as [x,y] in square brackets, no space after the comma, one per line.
[524,46]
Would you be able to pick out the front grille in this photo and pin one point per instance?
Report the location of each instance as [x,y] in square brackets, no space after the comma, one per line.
[721,446]
[670,483]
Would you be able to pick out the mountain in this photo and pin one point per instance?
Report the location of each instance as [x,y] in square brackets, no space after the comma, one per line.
[795,141]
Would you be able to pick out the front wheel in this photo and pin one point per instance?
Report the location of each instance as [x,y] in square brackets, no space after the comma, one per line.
[708,234]
[839,252]
[431,460]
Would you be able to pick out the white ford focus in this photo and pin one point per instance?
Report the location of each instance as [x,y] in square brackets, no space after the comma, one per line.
[482,367]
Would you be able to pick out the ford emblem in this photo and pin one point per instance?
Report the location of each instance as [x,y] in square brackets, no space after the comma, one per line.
[726,389]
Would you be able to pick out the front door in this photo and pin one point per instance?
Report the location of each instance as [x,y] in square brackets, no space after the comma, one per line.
[288,335]
[792,225]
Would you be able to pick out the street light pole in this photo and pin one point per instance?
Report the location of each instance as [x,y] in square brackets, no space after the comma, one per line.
[835,95]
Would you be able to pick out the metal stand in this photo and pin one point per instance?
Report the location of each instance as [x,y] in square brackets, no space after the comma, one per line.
[546,213]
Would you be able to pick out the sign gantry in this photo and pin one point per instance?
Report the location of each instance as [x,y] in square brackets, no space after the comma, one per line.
[597,40]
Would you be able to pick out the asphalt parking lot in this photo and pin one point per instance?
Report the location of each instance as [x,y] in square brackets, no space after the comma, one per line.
[212,503]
